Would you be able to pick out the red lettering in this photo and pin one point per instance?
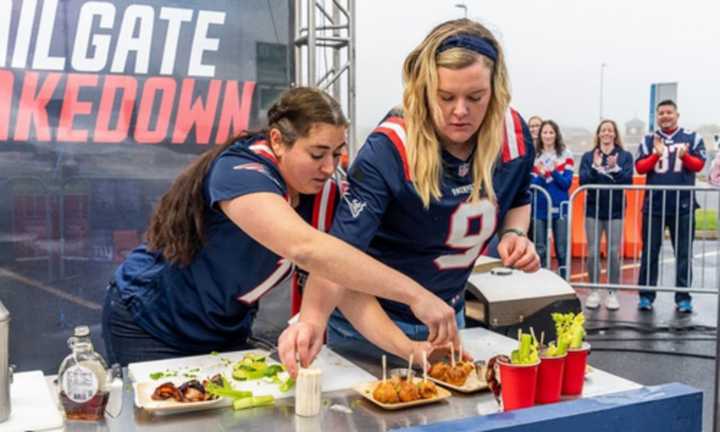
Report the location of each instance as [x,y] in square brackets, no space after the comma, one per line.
[72,106]
[167,87]
[33,107]
[113,83]
[235,111]
[202,117]
[7,80]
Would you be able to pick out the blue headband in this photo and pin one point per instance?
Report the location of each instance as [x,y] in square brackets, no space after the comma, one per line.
[477,44]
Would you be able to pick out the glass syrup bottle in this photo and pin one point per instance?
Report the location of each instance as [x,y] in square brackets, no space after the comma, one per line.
[83,379]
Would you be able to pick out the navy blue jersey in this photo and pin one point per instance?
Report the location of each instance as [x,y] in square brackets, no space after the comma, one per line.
[597,202]
[669,170]
[436,246]
[211,302]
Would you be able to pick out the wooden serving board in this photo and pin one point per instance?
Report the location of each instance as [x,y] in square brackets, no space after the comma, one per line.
[366,390]
[472,384]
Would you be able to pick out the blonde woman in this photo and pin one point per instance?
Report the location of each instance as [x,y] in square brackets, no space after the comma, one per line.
[427,191]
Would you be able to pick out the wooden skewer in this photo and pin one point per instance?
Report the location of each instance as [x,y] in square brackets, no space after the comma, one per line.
[460,354]
[384,366]
[409,369]
[542,338]
[519,334]
[452,354]
[532,332]
[424,366]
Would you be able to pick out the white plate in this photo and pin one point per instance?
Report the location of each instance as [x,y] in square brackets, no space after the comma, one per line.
[144,400]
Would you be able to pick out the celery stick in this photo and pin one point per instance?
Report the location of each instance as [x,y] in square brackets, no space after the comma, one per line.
[253,402]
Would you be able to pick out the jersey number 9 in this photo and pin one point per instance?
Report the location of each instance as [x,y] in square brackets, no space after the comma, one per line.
[462,234]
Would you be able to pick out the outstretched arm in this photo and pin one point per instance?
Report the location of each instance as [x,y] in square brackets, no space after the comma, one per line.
[330,258]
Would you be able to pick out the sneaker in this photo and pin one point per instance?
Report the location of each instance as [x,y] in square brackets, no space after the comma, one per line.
[611,302]
[645,304]
[684,306]
[593,300]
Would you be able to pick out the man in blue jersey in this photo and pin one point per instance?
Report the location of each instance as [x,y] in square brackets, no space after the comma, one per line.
[669,157]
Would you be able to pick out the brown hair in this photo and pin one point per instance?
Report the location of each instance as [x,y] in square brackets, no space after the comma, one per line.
[177,225]
[618,139]
[559,143]
[422,112]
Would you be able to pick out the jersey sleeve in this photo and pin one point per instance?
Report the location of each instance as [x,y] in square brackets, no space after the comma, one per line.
[523,196]
[233,176]
[374,175]
[646,158]
[698,147]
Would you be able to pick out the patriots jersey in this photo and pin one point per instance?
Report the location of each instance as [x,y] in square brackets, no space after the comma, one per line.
[669,170]
[383,215]
[211,302]
[556,181]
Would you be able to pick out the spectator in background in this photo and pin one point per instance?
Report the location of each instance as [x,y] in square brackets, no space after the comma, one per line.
[553,172]
[670,157]
[534,124]
[714,175]
[607,164]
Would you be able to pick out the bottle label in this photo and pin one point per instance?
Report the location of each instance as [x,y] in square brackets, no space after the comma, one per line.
[79,384]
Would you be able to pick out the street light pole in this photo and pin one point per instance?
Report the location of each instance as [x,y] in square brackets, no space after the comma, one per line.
[602,87]
[462,6]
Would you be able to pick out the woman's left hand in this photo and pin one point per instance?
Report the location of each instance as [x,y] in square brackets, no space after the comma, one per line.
[518,252]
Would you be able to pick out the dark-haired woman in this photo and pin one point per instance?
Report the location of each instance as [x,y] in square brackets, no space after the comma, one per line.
[607,163]
[232,226]
[553,171]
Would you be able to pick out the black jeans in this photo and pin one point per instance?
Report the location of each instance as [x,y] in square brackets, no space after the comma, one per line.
[652,242]
[127,342]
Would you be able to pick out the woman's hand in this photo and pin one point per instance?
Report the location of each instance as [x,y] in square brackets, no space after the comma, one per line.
[518,252]
[302,341]
[437,315]
[612,161]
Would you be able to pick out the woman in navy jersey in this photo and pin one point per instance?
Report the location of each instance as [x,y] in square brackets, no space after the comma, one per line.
[232,226]
[607,163]
[428,189]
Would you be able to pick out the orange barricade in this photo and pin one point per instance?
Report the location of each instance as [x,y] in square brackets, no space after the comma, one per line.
[632,245]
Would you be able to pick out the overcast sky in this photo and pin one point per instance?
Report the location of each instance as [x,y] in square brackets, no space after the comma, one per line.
[555,50]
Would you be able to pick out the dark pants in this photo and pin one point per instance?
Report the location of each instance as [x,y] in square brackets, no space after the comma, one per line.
[681,237]
[127,342]
[559,233]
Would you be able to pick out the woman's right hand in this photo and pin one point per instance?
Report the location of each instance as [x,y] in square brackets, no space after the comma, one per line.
[597,158]
[438,316]
[300,341]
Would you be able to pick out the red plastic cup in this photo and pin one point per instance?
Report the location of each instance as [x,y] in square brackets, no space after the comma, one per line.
[519,382]
[574,375]
[550,379]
